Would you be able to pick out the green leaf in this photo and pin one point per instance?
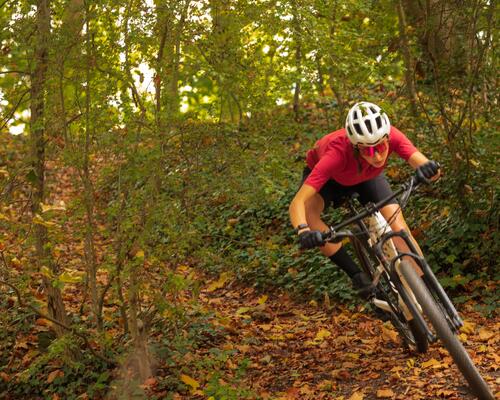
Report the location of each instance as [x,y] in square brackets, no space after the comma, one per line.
[31,176]
[71,277]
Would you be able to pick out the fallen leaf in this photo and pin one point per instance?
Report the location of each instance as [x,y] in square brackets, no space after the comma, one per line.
[139,254]
[150,382]
[218,284]
[190,381]
[75,276]
[389,335]
[322,334]
[292,393]
[305,390]
[485,335]
[54,374]
[42,322]
[431,363]
[243,348]
[385,393]
[265,359]
[37,219]
[242,310]
[46,207]
[262,299]
[445,393]
[468,327]
[357,396]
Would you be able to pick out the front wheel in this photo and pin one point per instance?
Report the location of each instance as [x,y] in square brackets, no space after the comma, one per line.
[410,332]
[444,332]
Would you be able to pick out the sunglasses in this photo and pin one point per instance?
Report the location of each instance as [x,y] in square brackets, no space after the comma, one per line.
[369,151]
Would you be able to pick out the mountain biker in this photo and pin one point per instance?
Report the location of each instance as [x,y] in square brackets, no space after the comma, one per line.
[350,160]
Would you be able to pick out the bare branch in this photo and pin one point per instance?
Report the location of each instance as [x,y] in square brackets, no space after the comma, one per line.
[6,120]
[14,71]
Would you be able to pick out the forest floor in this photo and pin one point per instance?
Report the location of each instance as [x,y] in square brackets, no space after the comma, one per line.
[255,345]
[297,350]
[280,348]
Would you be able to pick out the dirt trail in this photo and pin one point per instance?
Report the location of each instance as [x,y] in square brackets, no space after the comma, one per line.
[305,351]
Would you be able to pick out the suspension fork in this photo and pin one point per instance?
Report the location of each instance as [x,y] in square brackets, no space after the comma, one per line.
[429,277]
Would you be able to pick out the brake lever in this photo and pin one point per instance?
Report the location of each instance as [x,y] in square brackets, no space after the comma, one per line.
[330,236]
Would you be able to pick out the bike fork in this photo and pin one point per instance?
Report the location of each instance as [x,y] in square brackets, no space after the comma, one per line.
[431,280]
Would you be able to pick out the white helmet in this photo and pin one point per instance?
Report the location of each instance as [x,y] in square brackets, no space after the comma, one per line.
[366,123]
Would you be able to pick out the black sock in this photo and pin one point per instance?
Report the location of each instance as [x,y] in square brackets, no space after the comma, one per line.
[345,262]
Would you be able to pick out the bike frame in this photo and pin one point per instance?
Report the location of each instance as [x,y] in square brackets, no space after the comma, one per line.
[391,266]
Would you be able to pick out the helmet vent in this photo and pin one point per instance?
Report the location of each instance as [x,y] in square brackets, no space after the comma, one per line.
[358,129]
[370,126]
[379,122]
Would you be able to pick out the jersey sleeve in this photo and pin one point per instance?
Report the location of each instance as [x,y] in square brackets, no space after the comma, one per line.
[401,144]
[323,170]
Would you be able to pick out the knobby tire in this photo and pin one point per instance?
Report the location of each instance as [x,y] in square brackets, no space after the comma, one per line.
[444,332]
[411,333]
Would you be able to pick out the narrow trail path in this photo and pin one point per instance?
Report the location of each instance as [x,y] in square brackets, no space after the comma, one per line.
[305,351]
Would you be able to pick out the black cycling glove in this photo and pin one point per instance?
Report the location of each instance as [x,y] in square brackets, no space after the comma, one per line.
[426,171]
[310,239]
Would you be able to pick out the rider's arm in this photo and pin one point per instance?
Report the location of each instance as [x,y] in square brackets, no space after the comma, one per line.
[417,159]
[297,207]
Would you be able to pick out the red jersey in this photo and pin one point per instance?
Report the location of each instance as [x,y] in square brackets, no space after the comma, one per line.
[333,158]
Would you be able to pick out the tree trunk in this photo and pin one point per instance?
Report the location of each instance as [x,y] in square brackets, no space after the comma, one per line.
[55,303]
[88,189]
[223,55]
[405,48]
[163,29]
[173,100]
[297,35]
[331,70]
[441,26]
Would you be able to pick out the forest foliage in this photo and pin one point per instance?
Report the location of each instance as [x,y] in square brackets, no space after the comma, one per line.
[140,136]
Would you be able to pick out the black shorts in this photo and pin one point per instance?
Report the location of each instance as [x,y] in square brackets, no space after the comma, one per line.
[374,190]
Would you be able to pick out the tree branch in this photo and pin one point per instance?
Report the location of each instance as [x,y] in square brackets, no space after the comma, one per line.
[13,71]
[6,120]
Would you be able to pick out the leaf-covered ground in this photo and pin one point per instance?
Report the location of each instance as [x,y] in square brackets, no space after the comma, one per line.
[308,351]
[254,345]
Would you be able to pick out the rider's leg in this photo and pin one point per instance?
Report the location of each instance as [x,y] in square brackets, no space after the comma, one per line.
[337,254]
[378,189]
[393,214]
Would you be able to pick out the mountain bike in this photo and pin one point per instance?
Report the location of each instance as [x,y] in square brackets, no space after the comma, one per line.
[403,284]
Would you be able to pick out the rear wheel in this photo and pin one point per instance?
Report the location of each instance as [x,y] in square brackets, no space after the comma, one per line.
[444,332]
[412,335]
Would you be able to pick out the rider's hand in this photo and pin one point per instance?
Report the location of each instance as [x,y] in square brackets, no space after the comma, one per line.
[310,239]
[427,171]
